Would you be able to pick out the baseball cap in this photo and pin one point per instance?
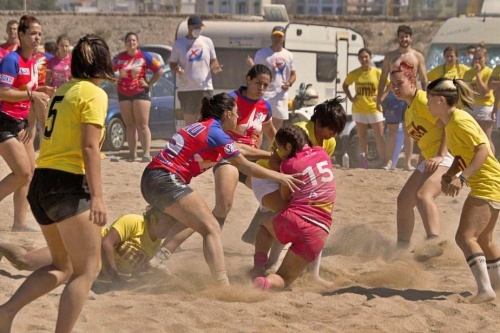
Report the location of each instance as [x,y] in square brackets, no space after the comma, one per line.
[195,20]
[279,30]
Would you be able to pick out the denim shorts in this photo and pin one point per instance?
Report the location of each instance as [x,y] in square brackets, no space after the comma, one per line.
[394,109]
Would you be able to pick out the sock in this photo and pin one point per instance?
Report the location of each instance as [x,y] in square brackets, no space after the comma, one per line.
[477,264]
[494,272]
[221,278]
[259,259]
[163,254]
[221,221]
[262,283]
[398,147]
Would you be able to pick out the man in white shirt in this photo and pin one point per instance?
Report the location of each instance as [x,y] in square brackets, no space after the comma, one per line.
[192,58]
[281,63]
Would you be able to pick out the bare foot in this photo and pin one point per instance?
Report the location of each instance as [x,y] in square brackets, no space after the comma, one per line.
[319,280]
[483,296]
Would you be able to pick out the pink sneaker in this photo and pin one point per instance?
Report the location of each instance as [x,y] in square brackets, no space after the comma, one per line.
[262,283]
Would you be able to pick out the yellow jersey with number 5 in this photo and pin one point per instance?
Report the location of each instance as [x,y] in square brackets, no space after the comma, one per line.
[75,103]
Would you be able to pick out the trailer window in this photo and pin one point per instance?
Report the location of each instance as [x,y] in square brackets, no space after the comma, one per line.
[326,70]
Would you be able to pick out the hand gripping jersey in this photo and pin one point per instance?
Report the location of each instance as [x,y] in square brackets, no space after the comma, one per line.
[131,69]
[314,200]
[195,149]
[20,74]
[463,135]
[251,115]
[421,126]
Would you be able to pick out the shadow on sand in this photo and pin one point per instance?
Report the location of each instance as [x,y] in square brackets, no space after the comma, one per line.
[408,294]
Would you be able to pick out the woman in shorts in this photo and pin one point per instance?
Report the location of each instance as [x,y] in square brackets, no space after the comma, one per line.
[193,150]
[18,89]
[304,223]
[133,93]
[65,194]
[364,110]
[474,166]
[482,108]
[423,186]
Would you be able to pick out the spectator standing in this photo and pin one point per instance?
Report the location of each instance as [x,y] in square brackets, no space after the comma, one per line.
[59,66]
[281,63]
[133,93]
[393,108]
[192,60]
[12,42]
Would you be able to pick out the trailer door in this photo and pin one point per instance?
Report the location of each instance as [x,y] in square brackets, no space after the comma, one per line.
[342,64]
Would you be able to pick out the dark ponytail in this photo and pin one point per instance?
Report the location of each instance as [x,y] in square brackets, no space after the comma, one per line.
[294,135]
[215,106]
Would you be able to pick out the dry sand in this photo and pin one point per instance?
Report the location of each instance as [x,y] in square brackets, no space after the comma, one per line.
[376,288]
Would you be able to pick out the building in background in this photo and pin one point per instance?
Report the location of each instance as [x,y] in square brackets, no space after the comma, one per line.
[240,7]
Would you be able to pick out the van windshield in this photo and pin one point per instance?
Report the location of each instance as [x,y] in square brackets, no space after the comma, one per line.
[435,55]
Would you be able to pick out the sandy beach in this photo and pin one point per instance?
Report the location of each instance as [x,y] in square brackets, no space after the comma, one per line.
[376,288]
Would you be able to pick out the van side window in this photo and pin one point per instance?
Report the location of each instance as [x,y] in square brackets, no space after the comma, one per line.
[326,67]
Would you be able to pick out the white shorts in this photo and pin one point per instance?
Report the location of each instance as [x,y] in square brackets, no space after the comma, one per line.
[446,162]
[279,106]
[371,118]
[481,112]
[262,187]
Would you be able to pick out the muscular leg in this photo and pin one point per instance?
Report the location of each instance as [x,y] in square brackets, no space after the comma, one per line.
[378,131]
[390,141]
[226,180]
[23,259]
[405,204]
[20,199]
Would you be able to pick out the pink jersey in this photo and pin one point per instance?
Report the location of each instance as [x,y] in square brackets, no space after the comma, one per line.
[20,74]
[195,149]
[60,69]
[131,69]
[251,115]
[314,201]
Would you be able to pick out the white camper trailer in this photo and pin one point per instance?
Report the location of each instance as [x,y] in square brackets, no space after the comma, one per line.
[462,32]
[323,56]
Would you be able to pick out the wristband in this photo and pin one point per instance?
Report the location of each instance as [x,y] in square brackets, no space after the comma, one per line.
[463,180]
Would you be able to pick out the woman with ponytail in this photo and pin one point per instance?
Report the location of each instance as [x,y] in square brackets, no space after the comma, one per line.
[65,193]
[474,166]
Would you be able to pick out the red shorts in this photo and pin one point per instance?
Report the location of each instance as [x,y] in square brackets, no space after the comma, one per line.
[307,239]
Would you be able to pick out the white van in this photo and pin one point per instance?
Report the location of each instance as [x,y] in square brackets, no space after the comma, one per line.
[323,56]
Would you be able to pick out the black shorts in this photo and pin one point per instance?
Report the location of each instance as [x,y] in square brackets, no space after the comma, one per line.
[55,195]
[242,178]
[144,95]
[191,100]
[161,188]
[10,127]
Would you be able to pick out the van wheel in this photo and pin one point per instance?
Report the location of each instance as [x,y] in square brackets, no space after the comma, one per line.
[372,156]
[115,135]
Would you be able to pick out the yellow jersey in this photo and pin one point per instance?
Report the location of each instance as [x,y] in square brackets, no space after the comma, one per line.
[463,135]
[366,86]
[470,77]
[422,127]
[136,248]
[453,72]
[75,103]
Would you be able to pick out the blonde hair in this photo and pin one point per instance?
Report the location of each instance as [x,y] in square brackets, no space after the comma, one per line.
[456,92]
